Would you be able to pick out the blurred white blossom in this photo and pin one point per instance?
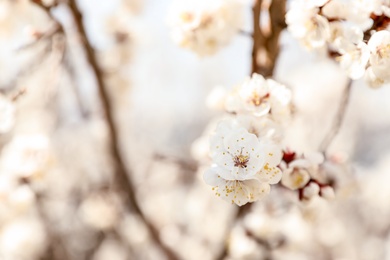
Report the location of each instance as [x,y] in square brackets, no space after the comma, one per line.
[203,26]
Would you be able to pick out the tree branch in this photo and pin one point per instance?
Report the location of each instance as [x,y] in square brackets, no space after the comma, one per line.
[121,175]
[258,37]
[339,118]
[266,47]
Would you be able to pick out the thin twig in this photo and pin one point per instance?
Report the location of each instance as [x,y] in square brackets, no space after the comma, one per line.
[121,174]
[339,118]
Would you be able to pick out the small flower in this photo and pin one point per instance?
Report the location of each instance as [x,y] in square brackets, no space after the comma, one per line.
[372,80]
[295,178]
[354,58]
[260,97]
[305,24]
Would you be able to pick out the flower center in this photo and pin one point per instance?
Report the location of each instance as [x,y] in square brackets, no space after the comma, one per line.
[256,99]
[241,161]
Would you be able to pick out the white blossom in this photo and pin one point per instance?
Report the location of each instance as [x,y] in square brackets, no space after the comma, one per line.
[379,45]
[354,58]
[203,26]
[372,80]
[243,166]
[381,7]
[260,97]
[305,24]
[355,11]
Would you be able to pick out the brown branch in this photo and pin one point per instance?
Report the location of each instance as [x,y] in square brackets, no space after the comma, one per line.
[339,118]
[258,37]
[266,47]
[277,12]
[121,175]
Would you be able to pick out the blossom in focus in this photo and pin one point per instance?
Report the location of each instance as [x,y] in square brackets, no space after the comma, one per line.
[203,26]
[243,166]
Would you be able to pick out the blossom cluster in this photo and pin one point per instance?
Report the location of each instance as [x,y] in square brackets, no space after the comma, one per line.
[205,26]
[303,173]
[246,146]
[356,33]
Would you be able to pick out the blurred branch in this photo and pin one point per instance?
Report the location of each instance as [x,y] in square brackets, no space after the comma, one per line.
[18,94]
[70,70]
[46,8]
[122,176]
[339,118]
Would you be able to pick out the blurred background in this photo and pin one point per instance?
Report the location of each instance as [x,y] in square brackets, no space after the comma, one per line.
[59,189]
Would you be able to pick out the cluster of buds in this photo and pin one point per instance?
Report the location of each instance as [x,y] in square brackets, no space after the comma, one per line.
[205,26]
[303,174]
[355,33]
